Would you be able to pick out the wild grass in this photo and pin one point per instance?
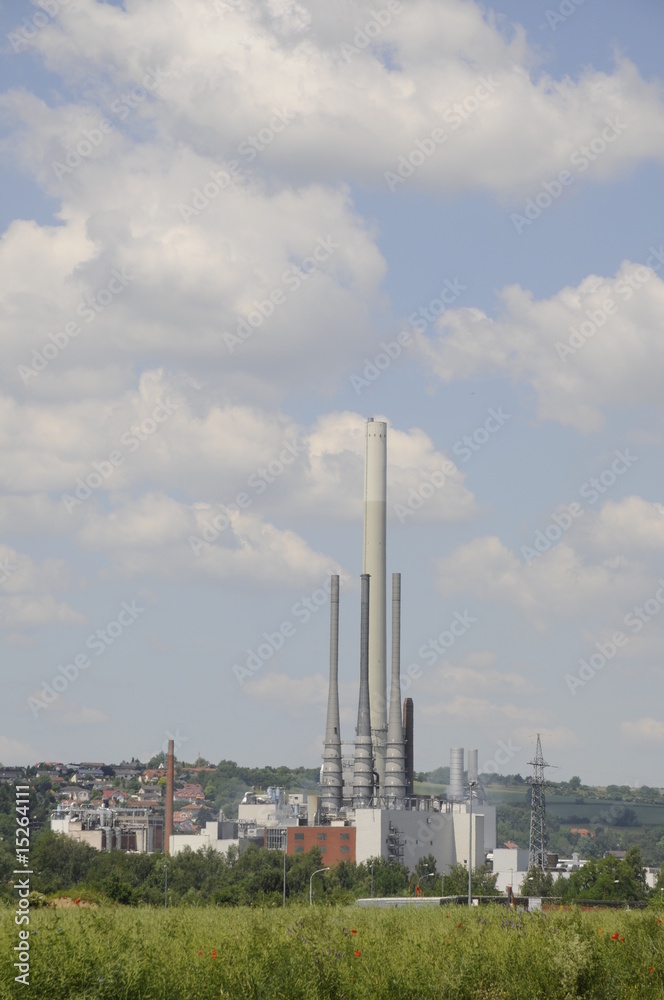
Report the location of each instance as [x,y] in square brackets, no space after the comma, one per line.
[303,953]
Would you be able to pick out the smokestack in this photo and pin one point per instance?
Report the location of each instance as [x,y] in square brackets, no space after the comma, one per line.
[170,776]
[395,760]
[373,563]
[363,768]
[331,779]
[472,765]
[456,789]
[409,747]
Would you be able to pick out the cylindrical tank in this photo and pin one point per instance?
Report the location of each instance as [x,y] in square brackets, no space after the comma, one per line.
[455,789]
[472,765]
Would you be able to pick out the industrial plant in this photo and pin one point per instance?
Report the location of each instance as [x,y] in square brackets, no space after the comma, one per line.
[366,806]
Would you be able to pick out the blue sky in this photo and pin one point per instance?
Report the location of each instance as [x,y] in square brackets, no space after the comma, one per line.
[189,319]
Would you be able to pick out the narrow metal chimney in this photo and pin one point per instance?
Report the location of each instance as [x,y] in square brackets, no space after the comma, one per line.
[409,746]
[170,780]
[363,768]
[331,778]
[395,759]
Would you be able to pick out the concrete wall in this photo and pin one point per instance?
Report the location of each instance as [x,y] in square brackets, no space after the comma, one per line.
[420,833]
[461,838]
[196,841]
[515,858]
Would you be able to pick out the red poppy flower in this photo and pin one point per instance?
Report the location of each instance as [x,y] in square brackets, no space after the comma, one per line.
[357,954]
[601,931]
[447,916]
[77,901]
[458,925]
[353,932]
[615,937]
[651,969]
[622,939]
[214,952]
[200,953]
[659,920]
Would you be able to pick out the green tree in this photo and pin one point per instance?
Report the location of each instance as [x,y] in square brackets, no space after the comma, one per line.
[537,883]
[483,881]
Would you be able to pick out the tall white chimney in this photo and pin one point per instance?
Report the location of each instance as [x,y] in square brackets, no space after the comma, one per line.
[373,563]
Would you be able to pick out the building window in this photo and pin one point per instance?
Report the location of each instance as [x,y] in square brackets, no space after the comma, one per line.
[322,836]
[299,836]
[344,850]
[344,836]
[323,850]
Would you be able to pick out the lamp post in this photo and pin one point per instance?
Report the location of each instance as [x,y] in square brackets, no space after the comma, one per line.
[372,864]
[311,880]
[284,902]
[471,785]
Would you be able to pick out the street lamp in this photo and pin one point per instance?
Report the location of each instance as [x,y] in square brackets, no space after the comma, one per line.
[284,903]
[471,785]
[317,872]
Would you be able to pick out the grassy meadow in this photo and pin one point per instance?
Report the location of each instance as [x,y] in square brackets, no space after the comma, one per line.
[487,953]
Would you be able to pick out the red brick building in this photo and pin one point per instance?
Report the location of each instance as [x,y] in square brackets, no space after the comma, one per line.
[336,843]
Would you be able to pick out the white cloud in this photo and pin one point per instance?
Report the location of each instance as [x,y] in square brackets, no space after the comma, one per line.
[289,696]
[15,752]
[221,74]
[642,732]
[615,358]
[26,592]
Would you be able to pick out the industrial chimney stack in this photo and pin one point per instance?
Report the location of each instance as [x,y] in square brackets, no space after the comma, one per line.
[332,778]
[363,769]
[395,760]
[373,563]
[170,781]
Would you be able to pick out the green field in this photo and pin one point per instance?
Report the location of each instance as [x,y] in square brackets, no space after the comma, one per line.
[337,952]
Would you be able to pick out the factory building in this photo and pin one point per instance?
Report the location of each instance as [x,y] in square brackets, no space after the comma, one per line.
[112,829]
[373,794]
[366,807]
